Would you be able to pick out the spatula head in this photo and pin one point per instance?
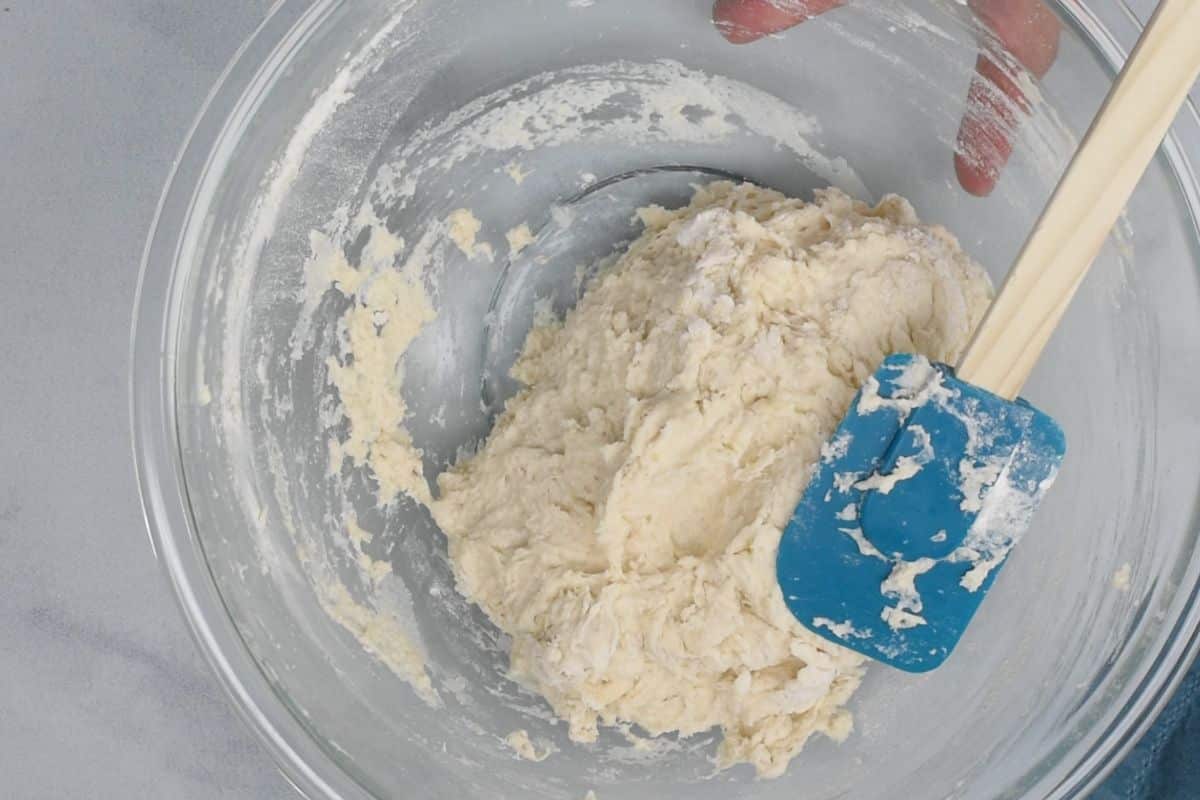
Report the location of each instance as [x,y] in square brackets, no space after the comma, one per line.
[915,504]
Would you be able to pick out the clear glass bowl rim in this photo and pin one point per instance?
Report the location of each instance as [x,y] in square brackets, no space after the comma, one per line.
[158,461]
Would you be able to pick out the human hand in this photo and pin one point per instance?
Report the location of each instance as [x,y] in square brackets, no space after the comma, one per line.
[1027,29]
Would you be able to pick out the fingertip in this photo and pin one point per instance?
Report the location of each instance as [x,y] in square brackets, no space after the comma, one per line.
[736,34]
[736,22]
[983,147]
[972,178]
[743,21]
[989,122]
[1028,29]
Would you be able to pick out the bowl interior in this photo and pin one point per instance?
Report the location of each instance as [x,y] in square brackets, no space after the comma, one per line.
[396,114]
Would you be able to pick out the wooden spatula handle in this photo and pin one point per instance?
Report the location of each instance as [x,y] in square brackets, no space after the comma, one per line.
[1100,178]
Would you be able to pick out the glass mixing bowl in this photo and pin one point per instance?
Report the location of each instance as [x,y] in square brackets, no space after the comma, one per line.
[407,107]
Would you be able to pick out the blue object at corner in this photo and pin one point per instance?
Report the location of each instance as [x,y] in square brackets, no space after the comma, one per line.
[1165,764]
[913,507]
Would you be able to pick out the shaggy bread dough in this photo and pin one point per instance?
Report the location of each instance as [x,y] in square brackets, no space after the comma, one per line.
[622,520]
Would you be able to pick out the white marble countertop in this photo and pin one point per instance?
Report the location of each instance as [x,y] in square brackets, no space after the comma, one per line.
[102,693]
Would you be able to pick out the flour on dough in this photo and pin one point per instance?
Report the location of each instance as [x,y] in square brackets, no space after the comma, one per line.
[621,521]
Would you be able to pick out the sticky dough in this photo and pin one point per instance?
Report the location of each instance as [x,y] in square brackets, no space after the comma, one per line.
[621,521]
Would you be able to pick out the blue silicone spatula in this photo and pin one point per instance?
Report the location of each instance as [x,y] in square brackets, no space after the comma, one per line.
[935,471]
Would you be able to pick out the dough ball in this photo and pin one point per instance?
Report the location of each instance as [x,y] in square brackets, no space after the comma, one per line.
[622,520]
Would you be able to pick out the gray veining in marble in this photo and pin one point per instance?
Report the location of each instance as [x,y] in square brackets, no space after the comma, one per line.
[102,693]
